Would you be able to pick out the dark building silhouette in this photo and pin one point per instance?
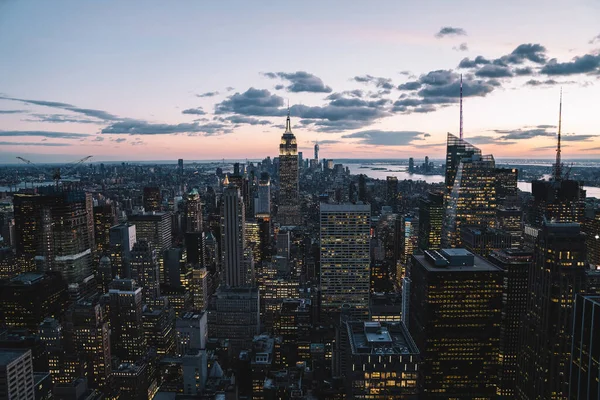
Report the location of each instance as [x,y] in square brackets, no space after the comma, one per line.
[152,198]
[431,219]
[127,333]
[585,357]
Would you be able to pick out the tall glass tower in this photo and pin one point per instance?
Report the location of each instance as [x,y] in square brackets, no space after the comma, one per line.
[289,209]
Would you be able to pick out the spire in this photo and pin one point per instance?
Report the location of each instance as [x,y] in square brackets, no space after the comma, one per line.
[461,111]
[558,165]
[288,124]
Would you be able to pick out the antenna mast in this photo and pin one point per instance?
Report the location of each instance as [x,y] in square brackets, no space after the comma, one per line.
[558,166]
[461,108]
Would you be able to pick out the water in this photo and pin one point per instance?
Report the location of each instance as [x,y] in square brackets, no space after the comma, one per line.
[400,171]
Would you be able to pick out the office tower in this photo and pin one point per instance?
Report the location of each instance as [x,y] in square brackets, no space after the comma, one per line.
[159,328]
[456,150]
[56,229]
[514,264]
[431,218]
[411,165]
[289,209]
[193,212]
[392,189]
[274,288]
[191,331]
[9,266]
[180,167]
[386,307]
[556,276]
[152,199]
[591,227]
[154,227]
[345,269]
[194,366]
[105,217]
[506,186]
[293,323]
[383,361]
[199,288]
[122,239]
[133,381]
[317,152]
[560,200]
[408,236]
[127,333]
[362,188]
[27,299]
[16,375]
[510,220]
[282,247]
[584,382]
[253,239]
[87,333]
[235,316]
[455,316]
[472,200]
[144,270]
[177,270]
[482,241]
[238,271]
[262,203]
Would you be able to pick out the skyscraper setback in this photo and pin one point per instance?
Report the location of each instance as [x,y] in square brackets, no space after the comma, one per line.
[289,208]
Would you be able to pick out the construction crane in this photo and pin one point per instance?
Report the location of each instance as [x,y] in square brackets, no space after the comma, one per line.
[56,175]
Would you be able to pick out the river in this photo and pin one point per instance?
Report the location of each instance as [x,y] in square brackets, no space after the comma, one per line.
[400,171]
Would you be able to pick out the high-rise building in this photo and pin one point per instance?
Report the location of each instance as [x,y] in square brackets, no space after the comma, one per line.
[193,212]
[145,270]
[159,328]
[317,152]
[238,270]
[105,218]
[192,332]
[180,167]
[392,189]
[560,200]
[455,316]
[515,264]
[289,209]
[152,199]
[510,220]
[431,218]
[133,381]
[154,227]
[56,229]
[16,375]
[584,380]
[482,240]
[408,236]
[556,276]
[199,288]
[345,259]
[262,203]
[122,239]
[128,342]
[591,227]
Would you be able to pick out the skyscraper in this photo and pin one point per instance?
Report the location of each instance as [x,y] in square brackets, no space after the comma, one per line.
[122,239]
[431,218]
[105,218]
[152,198]
[456,150]
[289,208]
[237,270]
[556,276]
[262,203]
[345,259]
[193,212]
[145,270]
[585,356]
[127,333]
[407,236]
[317,152]
[455,314]
[392,190]
[16,375]
[154,227]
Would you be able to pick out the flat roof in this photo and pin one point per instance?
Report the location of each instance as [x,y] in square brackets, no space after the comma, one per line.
[27,278]
[9,355]
[380,338]
[479,265]
[345,207]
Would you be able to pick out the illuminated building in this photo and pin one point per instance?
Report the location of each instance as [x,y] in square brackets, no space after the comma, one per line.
[293,323]
[87,332]
[515,264]
[235,316]
[382,361]
[191,332]
[127,333]
[431,219]
[591,227]
[506,186]
[262,358]
[152,198]
[122,239]
[345,259]
[274,288]
[159,329]
[386,307]
[56,229]
[262,203]
[193,212]
[585,356]
[105,218]
[238,269]
[456,150]
[472,200]
[408,236]
[199,288]
[154,227]
[195,248]
[9,266]
[253,238]
[557,201]
[16,375]
[558,273]
[482,240]
[132,380]
[144,270]
[289,209]
[392,189]
[510,220]
[455,316]
[27,299]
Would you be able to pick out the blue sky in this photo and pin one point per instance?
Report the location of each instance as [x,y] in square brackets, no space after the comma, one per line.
[208,80]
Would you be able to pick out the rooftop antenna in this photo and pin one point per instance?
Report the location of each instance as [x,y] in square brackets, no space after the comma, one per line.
[461,110]
[558,166]
[288,124]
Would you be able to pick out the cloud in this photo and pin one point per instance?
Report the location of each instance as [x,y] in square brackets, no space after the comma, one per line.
[523,71]
[411,85]
[239,119]
[326,142]
[47,134]
[489,140]
[60,119]
[133,127]
[594,39]
[194,111]
[256,102]
[120,140]
[352,93]
[383,83]
[99,114]
[461,47]
[523,134]
[533,52]
[577,138]
[579,65]
[450,31]
[209,94]
[468,63]
[99,139]
[494,71]
[386,138]
[49,144]
[300,81]
[279,87]
[535,82]
[12,111]
[229,88]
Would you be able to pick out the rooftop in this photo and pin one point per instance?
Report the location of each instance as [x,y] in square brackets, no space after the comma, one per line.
[378,338]
[346,207]
[455,260]
[9,355]
[27,278]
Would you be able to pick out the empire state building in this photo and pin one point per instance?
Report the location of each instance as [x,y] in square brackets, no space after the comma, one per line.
[289,208]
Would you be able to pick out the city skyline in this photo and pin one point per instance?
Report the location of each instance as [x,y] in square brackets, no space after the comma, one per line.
[198,81]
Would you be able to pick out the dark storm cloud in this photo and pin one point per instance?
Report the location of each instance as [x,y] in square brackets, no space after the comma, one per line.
[99,114]
[477,61]
[46,134]
[300,81]
[133,127]
[461,47]
[35,144]
[383,83]
[494,71]
[208,94]
[579,65]
[450,31]
[386,138]
[12,111]
[194,111]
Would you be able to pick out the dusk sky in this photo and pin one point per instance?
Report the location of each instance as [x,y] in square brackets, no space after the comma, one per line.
[161,80]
